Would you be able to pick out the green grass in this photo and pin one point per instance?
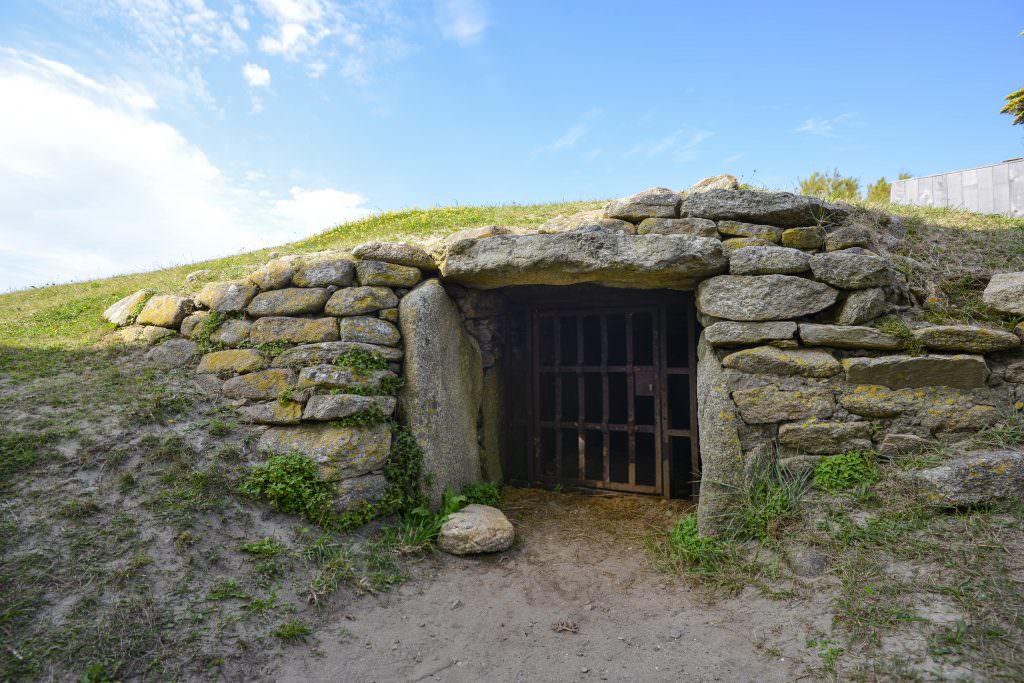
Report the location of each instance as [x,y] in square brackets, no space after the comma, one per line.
[846,471]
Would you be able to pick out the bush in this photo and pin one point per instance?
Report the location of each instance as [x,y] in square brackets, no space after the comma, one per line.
[833,187]
[483,493]
[291,484]
[687,545]
[846,471]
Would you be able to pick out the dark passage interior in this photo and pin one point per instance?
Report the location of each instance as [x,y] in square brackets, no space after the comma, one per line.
[600,390]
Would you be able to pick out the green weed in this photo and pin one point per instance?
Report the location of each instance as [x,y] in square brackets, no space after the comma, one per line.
[846,471]
[291,484]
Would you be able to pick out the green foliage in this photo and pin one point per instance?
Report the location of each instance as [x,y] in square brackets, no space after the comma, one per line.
[267,547]
[846,471]
[291,484]
[96,672]
[363,362]
[227,589]
[898,328]
[483,493]
[705,555]
[879,192]
[370,417]
[772,500]
[293,631]
[207,327]
[390,386]
[1015,106]
[287,397]
[272,349]
[21,450]
[831,186]
[404,472]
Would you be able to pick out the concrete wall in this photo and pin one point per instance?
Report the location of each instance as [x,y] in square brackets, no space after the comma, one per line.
[987,189]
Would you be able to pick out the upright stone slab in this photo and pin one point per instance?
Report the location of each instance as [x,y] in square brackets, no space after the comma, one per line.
[443,384]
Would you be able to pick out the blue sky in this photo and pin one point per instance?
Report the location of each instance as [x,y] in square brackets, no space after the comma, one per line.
[135,134]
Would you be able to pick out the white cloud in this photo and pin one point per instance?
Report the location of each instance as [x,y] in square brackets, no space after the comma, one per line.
[240,17]
[256,76]
[681,144]
[316,69]
[827,127]
[463,21]
[299,26]
[574,133]
[91,184]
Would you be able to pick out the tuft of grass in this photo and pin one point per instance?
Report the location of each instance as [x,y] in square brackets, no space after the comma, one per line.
[370,417]
[363,362]
[291,484]
[898,328]
[483,493]
[846,471]
[293,631]
[267,547]
[686,546]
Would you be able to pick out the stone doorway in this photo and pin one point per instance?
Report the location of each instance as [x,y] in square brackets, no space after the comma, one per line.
[601,390]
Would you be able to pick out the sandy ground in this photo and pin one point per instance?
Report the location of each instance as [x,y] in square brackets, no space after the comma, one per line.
[579,560]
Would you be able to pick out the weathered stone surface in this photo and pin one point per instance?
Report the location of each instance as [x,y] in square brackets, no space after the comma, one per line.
[443,384]
[140,335]
[768,261]
[897,372]
[479,233]
[732,244]
[389,314]
[809,563]
[640,261]
[657,202]
[360,300]
[763,405]
[898,444]
[351,493]
[848,337]
[294,330]
[400,253]
[769,360]
[803,238]
[328,352]
[1019,330]
[959,418]
[476,529]
[264,385]
[877,401]
[272,413]
[763,297]
[740,229]
[323,270]
[198,276]
[584,220]
[847,270]
[339,377]
[699,227]
[729,333]
[966,338]
[173,353]
[773,208]
[975,479]
[723,181]
[722,477]
[227,297]
[165,310]
[191,325]
[1015,372]
[337,406]
[386,274]
[861,306]
[1005,293]
[340,452]
[276,274]
[367,330]
[849,236]
[240,360]
[121,313]
[826,438]
[232,332]
[291,301]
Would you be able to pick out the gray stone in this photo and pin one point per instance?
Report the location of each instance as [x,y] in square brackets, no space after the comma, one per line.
[400,253]
[367,330]
[769,360]
[140,335]
[276,274]
[740,229]
[173,353]
[960,418]
[849,236]
[476,529]
[294,330]
[360,300]
[768,261]
[811,237]
[353,493]
[898,372]
[848,337]
[966,338]
[763,297]
[809,563]
[325,269]
[729,333]
[239,360]
[389,314]
[722,475]
[192,324]
[123,311]
[232,332]
[386,274]
[847,270]
[975,479]
[1015,372]
[272,412]
[329,352]
[861,306]
[264,385]
[340,377]
[723,181]
[443,384]
[772,208]
[227,297]
[657,202]
[826,438]
[639,261]
[478,233]
[291,301]
[586,220]
[165,310]
[698,227]
[340,452]
[338,406]
[732,244]
[899,444]
[198,276]
[1005,293]
[764,405]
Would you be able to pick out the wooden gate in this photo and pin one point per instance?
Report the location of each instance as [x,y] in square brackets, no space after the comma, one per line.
[614,396]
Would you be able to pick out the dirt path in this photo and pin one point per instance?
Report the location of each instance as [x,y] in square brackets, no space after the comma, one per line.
[580,560]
